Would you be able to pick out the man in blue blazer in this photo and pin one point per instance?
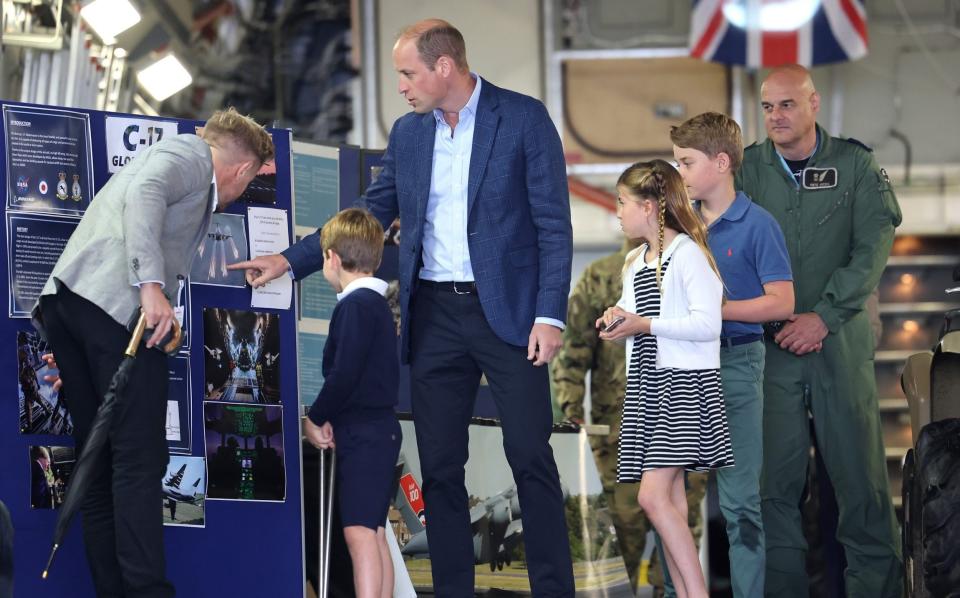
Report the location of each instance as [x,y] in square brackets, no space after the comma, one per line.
[477,176]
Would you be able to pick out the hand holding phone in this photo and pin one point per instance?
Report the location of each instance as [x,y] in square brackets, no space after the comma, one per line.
[616,322]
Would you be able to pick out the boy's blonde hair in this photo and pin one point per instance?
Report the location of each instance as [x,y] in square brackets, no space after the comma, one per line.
[229,126]
[357,237]
[711,133]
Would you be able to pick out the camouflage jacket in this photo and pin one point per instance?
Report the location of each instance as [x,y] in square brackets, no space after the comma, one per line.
[583,351]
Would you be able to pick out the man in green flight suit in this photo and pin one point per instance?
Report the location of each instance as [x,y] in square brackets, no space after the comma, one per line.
[838,213]
[582,351]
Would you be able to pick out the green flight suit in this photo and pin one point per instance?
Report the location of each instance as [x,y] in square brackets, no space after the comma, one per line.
[582,351]
[839,227]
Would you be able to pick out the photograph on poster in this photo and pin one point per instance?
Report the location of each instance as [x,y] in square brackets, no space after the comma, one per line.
[179,411]
[241,356]
[496,515]
[185,491]
[50,469]
[262,190]
[225,244]
[42,409]
[49,161]
[244,448]
[34,244]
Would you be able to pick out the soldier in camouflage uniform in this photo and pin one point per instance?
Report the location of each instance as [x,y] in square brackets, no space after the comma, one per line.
[583,351]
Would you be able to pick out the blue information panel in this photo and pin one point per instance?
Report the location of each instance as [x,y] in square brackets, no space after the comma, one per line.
[317,298]
[315,184]
[310,346]
[48,159]
[38,143]
[34,244]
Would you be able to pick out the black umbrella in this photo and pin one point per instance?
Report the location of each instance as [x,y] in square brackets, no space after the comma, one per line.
[97,437]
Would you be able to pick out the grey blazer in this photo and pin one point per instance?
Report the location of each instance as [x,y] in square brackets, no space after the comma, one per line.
[144,225]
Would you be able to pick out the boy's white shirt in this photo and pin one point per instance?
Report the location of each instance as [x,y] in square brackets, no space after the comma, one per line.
[365,282]
[688,328]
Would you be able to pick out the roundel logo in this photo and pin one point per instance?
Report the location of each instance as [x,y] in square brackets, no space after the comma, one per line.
[43,187]
[23,183]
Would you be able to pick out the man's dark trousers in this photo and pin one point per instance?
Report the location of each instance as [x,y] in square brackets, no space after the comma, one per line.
[122,513]
[451,345]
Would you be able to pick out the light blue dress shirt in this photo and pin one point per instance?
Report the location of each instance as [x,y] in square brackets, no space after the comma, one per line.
[446,252]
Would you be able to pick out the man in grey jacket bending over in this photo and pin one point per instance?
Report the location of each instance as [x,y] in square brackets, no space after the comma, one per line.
[132,247]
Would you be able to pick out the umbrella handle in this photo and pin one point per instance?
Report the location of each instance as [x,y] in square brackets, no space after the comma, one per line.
[176,338]
[137,335]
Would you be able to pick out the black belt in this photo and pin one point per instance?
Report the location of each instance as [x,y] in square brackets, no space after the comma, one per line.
[449,286]
[733,341]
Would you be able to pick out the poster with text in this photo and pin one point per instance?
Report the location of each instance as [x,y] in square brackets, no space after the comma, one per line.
[49,162]
[241,356]
[225,244]
[244,448]
[497,519]
[179,405]
[185,492]
[126,137]
[34,244]
[42,409]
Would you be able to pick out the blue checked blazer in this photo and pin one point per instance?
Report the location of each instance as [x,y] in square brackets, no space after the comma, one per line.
[518,222]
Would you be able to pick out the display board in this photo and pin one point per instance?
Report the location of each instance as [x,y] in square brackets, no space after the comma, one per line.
[232,495]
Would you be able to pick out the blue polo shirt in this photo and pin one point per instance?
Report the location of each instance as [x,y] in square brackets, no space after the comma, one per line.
[750,251]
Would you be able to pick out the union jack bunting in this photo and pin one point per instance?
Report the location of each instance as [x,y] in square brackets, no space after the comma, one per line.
[768,33]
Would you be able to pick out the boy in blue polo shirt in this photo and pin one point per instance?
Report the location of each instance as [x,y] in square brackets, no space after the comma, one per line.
[751,254]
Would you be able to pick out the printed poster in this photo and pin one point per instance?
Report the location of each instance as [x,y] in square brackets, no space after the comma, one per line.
[34,244]
[49,161]
[126,137]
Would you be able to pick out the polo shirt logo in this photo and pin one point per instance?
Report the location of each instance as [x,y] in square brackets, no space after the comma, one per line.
[819,178]
[729,251]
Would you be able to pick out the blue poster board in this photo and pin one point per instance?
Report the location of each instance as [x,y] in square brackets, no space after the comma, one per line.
[246,548]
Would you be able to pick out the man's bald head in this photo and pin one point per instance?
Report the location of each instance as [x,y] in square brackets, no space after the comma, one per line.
[790,104]
[793,75]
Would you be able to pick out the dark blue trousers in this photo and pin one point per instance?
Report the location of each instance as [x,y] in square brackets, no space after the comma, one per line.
[451,346]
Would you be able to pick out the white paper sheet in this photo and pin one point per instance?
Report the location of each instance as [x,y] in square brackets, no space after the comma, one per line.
[269,235]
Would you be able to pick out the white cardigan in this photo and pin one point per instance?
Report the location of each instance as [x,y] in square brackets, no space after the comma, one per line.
[688,329]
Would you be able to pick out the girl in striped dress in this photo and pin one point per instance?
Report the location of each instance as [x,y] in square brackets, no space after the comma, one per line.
[673,413]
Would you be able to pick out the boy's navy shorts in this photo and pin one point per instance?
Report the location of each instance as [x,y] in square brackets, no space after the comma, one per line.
[366,465]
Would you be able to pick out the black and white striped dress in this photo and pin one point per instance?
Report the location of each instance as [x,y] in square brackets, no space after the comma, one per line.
[671,417]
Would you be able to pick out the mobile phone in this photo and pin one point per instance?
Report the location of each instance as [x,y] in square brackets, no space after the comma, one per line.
[616,322]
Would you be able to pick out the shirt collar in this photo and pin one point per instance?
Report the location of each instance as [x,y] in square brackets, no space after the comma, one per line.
[366,282]
[471,106]
[783,161]
[736,211]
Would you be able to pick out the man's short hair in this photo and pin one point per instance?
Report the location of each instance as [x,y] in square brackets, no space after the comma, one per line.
[436,38]
[229,126]
[711,133]
[357,237]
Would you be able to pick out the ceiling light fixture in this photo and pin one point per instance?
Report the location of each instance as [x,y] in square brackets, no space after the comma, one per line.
[110,18]
[164,78]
